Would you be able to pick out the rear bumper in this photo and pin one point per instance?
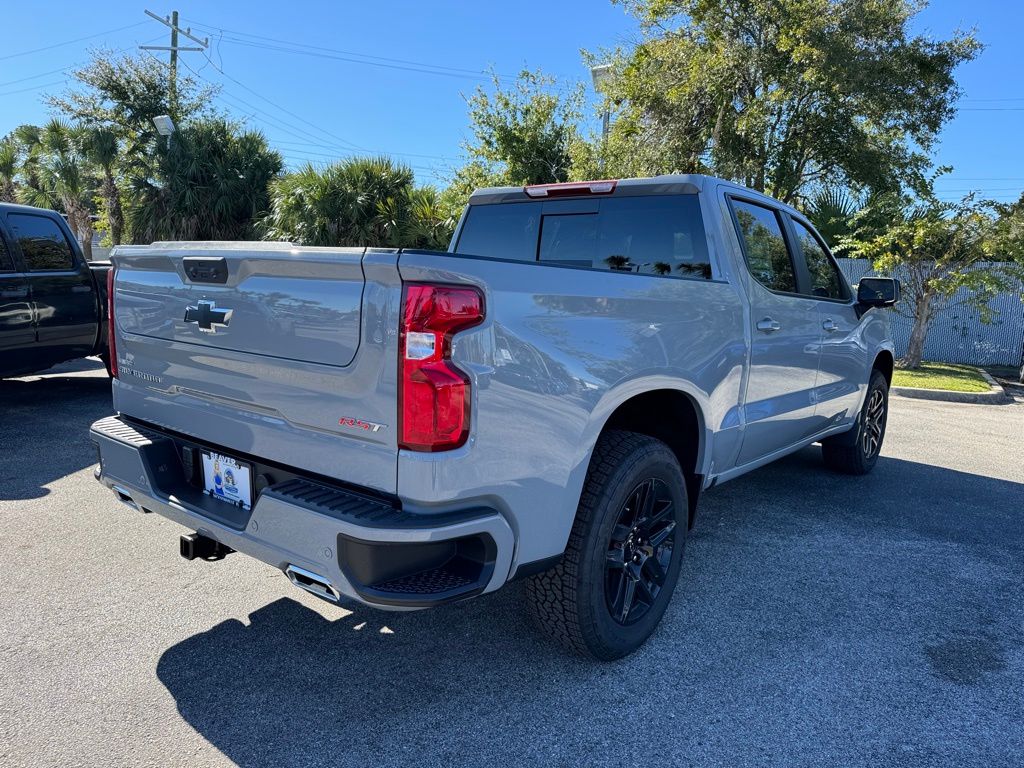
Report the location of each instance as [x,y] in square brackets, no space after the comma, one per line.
[366,548]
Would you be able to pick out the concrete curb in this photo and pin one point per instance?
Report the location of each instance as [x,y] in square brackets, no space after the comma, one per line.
[996,395]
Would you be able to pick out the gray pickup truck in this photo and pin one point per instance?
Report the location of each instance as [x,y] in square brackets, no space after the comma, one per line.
[545,400]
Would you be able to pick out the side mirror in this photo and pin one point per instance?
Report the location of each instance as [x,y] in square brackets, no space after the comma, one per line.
[878,292]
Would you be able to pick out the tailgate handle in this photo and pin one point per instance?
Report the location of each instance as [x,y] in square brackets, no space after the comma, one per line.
[206,269]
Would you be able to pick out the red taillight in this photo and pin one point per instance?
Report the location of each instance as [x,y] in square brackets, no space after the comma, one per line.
[602,187]
[434,395]
[111,346]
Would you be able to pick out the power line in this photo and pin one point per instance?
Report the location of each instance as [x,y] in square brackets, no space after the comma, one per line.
[289,46]
[319,141]
[69,42]
[65,70]
[33,88]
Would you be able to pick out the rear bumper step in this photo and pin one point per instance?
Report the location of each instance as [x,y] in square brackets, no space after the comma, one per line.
[329,541]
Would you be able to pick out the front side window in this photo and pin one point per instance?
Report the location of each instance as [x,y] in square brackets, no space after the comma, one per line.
[826,280]
[42,242]
[764,246]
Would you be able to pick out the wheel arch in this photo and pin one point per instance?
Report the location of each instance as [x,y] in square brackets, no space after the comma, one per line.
[885,363]
[673,416]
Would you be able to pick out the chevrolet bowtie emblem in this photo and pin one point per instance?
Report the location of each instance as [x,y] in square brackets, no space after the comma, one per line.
[206,315]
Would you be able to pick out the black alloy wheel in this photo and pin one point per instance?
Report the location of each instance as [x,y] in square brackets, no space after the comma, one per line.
[640,551]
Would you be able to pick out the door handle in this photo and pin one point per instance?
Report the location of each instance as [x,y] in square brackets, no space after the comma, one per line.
[768,325]
[829,325]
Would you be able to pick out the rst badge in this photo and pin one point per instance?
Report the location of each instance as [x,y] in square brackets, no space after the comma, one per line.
[366,426]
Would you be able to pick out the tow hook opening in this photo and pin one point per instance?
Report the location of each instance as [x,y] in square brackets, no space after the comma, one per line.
[124,497]
[312,582]
[195,545]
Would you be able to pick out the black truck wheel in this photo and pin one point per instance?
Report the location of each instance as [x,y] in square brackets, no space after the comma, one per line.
[856,452]
[620,567]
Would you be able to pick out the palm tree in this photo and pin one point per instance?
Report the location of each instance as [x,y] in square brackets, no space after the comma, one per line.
[103,151]
[8,170]
[359,201]
[56,175]
[210,184]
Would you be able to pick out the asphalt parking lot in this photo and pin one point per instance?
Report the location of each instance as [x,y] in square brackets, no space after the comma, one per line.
[820,620]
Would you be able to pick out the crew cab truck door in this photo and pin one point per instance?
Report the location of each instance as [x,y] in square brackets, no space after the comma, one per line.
[785,336]
[845,354]
[16,329]
[64,298]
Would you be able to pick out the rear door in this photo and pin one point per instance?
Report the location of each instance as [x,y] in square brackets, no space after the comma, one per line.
[785,335]
[844,358]
[16,329]
[64,299]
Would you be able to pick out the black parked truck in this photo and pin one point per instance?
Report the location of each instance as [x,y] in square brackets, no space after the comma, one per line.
[53,303]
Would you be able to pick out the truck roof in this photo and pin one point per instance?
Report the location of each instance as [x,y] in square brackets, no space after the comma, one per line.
[667,184]
[18,207]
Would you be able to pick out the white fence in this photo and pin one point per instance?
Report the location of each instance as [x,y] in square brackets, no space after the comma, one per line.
[958,335]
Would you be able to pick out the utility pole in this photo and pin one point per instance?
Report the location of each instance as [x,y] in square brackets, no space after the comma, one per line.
[172,22]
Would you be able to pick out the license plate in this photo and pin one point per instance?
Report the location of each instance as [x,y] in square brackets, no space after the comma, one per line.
[228,479]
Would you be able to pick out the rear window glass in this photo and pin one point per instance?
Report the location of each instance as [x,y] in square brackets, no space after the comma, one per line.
[502,231]
[647,234]
[41,241]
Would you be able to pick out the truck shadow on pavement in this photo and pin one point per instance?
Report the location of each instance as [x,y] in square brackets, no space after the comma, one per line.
[868,617]
[44,426]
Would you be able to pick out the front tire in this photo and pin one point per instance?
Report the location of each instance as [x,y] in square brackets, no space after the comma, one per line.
[856,452]
[621,564]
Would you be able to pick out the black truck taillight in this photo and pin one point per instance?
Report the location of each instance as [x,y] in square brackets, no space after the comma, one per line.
[111,345]
[433,394]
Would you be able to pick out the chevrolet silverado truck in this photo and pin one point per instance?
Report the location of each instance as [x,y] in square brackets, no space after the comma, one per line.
[53,303]
[546,400]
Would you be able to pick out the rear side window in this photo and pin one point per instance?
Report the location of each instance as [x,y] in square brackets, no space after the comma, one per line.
[647,234]
[826,280]
[42,242]
[6,262]
[764,246]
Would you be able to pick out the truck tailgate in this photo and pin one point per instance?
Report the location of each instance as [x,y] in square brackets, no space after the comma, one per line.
[266,349]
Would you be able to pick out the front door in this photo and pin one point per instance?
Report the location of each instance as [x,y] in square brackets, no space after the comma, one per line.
[64,298]
[785,337]
[845,354]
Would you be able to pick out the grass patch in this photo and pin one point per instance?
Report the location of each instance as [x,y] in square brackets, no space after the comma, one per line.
[958,378]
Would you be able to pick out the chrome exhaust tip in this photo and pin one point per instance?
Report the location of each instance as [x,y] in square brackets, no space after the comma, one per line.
[312,582]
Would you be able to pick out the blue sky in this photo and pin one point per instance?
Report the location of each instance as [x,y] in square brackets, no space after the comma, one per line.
[335,101]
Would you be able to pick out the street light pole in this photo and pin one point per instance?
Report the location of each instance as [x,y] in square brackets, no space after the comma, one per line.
[600,73]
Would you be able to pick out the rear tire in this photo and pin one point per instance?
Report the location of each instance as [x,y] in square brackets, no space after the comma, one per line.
[626,543]
[856,452]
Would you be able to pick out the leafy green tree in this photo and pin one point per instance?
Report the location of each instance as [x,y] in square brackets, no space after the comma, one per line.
[102,148]
[521,134]
[783,95]
[210,183]
[125,93]
[936,249]
[360,201]
[56,175]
